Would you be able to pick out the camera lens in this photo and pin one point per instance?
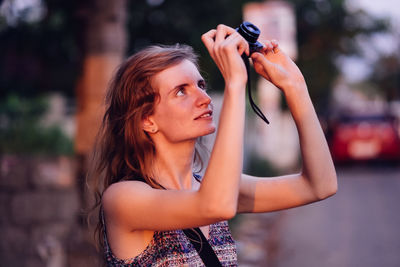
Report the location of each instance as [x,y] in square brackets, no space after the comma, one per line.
[250,32]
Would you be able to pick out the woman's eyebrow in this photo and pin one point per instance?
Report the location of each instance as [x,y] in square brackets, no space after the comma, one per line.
[184,85]
[177,87]
[181,85]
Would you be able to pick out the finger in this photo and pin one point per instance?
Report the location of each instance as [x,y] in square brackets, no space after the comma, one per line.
[259,58]
[267,46]
[208,37]
[239,42]
[275,46]
[242,49]
[246,45]
[222,32]
[208,41]
[236,40]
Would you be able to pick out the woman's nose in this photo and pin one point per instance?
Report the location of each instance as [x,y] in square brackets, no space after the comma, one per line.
[203,98]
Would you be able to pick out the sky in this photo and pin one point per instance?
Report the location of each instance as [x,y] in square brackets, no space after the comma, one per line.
[356,69]
[378,8]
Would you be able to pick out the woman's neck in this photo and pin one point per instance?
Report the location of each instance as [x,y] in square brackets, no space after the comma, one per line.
[173,164]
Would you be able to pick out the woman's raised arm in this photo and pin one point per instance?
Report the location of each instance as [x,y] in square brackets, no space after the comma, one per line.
[317,179]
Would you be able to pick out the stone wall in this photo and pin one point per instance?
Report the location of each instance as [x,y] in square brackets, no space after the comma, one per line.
[40,207]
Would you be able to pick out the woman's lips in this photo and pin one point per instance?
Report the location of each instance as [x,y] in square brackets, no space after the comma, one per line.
[205,115]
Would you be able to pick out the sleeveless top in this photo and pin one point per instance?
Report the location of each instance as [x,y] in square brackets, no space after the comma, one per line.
[172,248]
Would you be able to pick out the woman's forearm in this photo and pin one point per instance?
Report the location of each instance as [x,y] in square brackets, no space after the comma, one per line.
[221,180]
[220,186]
[317,164]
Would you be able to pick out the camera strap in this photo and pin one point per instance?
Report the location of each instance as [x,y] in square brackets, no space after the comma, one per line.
[256,109]
[200,243]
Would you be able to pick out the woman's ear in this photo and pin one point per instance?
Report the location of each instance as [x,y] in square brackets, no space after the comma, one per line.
[149,125]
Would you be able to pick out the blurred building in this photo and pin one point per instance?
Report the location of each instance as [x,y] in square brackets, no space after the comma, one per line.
[280,146]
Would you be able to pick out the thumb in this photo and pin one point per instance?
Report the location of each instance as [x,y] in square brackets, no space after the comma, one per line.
[260,59]
[261,64]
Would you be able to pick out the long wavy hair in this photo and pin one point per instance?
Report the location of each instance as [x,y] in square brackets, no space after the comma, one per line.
[123,150]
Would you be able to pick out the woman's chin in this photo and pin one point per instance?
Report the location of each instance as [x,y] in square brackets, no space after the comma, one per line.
[210,130]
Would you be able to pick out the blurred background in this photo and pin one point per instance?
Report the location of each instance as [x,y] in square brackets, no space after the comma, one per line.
[55,63]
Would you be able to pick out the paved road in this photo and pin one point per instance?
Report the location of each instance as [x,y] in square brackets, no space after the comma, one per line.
[359,226]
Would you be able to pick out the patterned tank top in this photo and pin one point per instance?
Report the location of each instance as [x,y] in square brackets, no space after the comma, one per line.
[172,248]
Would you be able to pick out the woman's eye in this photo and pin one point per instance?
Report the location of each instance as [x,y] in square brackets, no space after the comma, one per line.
[181,92]
[202,85]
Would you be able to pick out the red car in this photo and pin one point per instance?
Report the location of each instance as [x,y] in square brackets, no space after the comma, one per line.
[358,138]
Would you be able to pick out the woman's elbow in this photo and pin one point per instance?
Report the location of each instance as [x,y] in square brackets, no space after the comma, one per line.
[228,213]
[329,189]
[220,212]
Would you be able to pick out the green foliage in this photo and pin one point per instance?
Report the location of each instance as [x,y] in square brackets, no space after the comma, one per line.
[386,76]
[46,55]
[22,133]
[258,166]
[325,30]
[180,21]
[41,56]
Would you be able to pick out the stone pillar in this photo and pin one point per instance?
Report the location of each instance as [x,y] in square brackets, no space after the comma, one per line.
[104,42]
[104,48]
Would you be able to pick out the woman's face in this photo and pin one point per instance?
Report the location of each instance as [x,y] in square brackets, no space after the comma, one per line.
[183,111]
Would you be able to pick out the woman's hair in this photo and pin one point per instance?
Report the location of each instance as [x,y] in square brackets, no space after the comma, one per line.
[123,150]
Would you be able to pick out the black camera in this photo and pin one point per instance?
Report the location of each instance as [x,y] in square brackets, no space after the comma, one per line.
[250,32]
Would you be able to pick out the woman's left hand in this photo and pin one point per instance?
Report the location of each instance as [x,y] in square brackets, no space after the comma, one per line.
[277,67]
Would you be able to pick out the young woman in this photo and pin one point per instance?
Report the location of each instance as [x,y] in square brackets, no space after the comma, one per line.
[157,108]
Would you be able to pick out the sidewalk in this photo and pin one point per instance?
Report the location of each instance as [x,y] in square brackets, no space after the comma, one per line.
[256,237]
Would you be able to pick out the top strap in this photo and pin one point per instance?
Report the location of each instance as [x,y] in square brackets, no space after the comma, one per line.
[103,221]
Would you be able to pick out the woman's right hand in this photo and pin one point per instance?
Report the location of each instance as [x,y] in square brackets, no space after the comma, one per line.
[226,46]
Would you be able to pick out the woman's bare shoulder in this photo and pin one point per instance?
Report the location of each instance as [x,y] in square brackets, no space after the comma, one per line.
[118,193]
